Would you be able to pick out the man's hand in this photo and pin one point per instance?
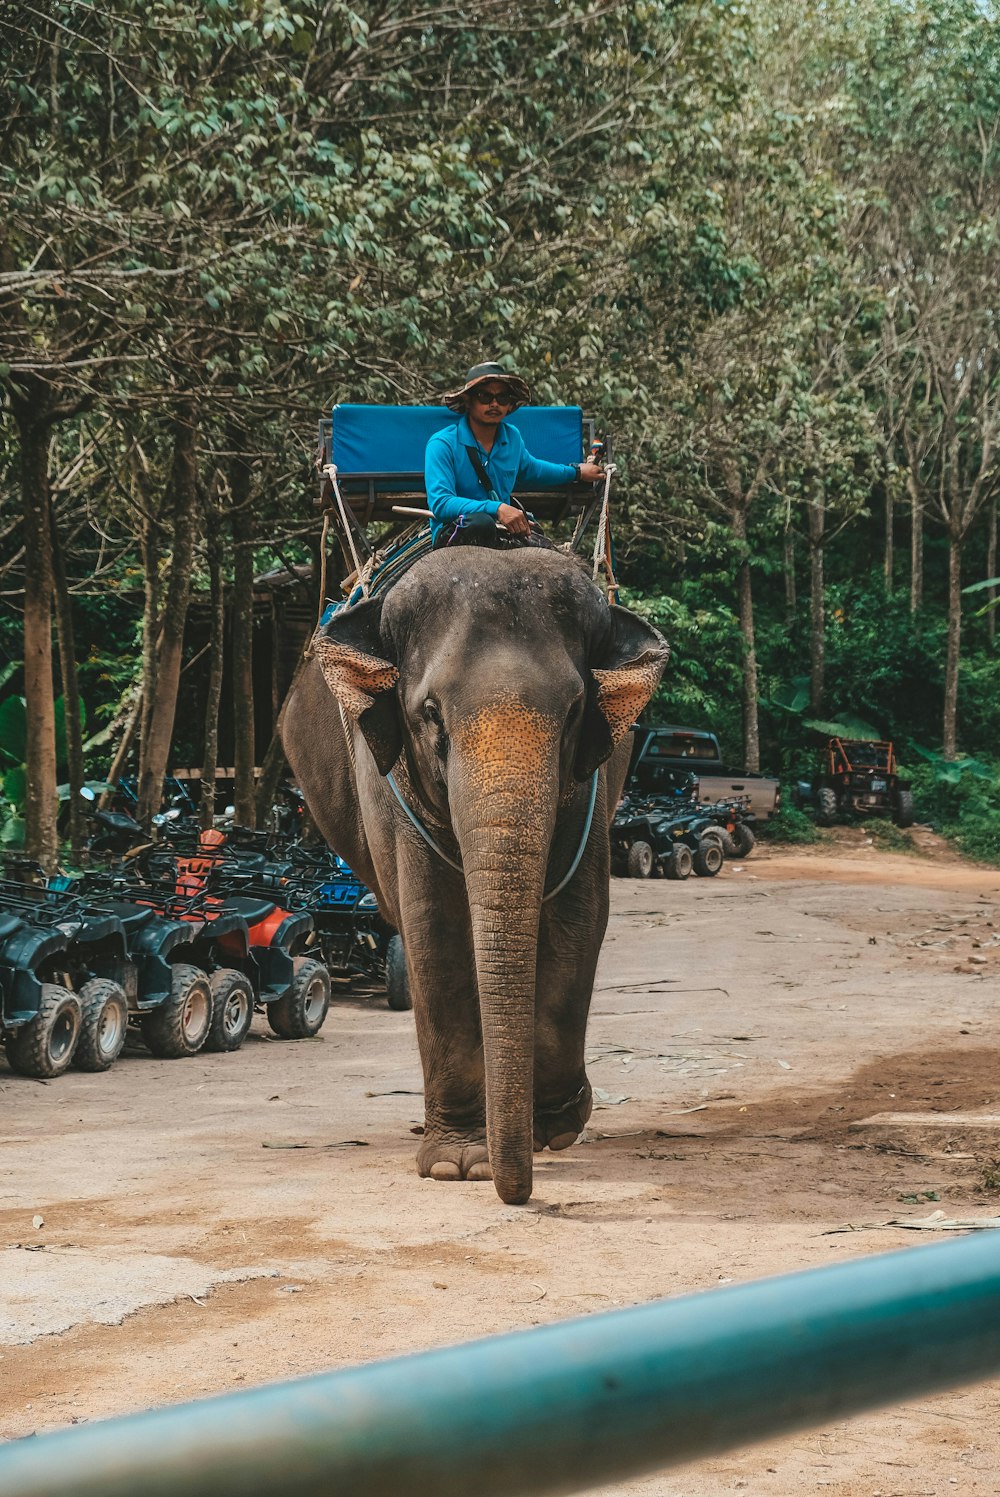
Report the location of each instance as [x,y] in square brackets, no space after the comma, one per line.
[591,473]
[514,520]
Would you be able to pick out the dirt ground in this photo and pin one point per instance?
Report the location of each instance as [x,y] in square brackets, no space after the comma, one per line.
[176,1229]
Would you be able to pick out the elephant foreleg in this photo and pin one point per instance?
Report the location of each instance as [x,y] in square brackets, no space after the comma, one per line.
[446,1010]
[567,963]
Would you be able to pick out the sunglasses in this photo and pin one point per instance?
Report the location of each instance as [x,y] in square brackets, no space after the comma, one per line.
[489,397]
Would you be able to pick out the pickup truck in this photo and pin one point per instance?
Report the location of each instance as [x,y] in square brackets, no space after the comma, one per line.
[660,753]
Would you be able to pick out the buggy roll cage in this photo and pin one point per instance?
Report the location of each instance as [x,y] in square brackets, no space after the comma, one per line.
[868,753]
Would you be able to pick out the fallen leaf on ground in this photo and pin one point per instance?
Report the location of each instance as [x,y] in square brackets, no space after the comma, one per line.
[339,1143]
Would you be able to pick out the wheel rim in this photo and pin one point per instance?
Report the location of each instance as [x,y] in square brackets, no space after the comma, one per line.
[110,1029]
[315,1004]
[235,1012]
[64,1032]
[197,1013]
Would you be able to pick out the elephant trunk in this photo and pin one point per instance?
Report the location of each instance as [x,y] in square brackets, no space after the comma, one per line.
[504,834]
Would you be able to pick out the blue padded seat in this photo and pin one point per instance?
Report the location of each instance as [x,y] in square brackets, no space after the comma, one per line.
[390,439]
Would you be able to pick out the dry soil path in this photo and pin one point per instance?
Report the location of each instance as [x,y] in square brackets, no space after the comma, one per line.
[219,1222]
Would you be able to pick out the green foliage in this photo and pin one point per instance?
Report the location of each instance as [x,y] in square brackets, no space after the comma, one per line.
[790,824]
[888,837]
[14,745]
[700,687]
[756,238]
[961,800]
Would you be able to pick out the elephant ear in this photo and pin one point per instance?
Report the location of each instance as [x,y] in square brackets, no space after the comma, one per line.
[621,681]
[350,651]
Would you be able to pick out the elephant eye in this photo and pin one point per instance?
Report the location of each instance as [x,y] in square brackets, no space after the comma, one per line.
[432,714]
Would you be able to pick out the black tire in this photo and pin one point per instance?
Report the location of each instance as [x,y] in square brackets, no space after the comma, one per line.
[640,860]
[826,807]
[104,1025]
[728,843]
[743,840]
[709,858]
[180,1025]
[44,1047]
[903,812]
[299,1013]
[232,1010]
[397,981]
[679,863]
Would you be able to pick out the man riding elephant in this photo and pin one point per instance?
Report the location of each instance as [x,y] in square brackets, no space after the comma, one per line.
[472,468]
[461,740]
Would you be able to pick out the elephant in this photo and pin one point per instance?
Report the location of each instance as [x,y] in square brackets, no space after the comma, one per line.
[462,741]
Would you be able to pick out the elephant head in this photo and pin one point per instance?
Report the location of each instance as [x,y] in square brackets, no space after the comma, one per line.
[499,682]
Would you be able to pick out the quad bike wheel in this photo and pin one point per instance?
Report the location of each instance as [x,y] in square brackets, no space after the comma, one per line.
[679,862]
[232,1009]
[44,1046]
[743,839]
[826,806]
[709,858]
[299,1013]
[902,811]
[727,842]
[104,1025]
[640,860]
[397,982]
[180,1025]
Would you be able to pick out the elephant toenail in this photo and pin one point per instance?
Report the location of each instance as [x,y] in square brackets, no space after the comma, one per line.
[480,1171]
[563,1140]
[445,1169]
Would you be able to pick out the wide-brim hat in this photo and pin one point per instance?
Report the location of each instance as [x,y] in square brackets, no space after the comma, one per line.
[518,387]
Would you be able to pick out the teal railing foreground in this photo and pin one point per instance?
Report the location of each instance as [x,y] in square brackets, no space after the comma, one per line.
[565,1407]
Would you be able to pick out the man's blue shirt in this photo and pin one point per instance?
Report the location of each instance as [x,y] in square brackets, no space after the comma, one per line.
[454,493]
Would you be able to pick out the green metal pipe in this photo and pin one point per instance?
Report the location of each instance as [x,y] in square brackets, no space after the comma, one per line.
[564,1407]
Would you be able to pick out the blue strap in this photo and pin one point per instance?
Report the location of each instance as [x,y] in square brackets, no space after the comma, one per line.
[587,824]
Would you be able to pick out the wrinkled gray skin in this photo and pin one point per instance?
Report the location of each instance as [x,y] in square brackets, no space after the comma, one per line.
[475,680]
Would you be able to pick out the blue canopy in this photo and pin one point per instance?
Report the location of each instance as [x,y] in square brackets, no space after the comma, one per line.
[390,439]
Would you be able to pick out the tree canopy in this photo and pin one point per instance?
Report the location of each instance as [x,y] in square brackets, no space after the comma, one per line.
[756,240]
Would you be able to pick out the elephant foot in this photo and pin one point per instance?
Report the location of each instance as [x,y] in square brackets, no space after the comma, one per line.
[559,1127]
[450,1156]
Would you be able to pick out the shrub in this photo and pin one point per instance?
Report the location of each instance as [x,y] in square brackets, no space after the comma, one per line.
[790,825]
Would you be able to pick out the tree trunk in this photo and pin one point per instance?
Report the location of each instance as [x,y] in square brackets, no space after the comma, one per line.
[744,589]
[124,749]
[245,748]
[150,545]
[991,571]
[70,687]
[916,545]
[41,835]
[213,695]
[817,603]
[184,487]
[949,728]
[273,764]
[888,558]
[789,570]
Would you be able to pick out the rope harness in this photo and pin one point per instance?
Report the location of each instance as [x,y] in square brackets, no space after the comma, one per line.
[415,821]
[425,834]
[603,550]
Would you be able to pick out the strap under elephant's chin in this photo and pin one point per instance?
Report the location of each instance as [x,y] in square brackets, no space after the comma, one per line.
[588,822]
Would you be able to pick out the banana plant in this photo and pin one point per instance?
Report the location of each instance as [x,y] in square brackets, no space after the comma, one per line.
[13,760]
